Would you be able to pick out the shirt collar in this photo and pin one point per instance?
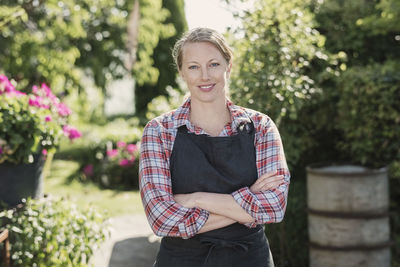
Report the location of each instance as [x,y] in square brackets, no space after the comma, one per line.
[238,115]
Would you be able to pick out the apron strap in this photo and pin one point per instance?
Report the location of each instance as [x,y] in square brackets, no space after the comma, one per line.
[215,242]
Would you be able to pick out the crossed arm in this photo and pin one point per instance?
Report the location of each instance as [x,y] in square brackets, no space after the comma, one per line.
[223,208]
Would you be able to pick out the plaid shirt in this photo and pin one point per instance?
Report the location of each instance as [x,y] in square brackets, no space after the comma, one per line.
[168,218]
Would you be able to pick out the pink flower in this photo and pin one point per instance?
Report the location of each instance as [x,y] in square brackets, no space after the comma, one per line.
[48,118]
[63,110]
[7,87]
[38,101]
[46,89]
[1,150]
[44,152]
[112,153]
[88,170]
[121,144]
[124,162]
[49,94]
[3,78]
[131,148]
[35,89]
[34,102]
[71,132]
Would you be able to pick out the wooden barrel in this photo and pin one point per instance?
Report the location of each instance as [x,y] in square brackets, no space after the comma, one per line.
[348,216]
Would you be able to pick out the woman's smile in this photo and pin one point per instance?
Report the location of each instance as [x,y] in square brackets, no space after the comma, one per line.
[207,88]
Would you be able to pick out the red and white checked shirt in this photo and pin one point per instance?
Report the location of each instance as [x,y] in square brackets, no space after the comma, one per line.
[168,218]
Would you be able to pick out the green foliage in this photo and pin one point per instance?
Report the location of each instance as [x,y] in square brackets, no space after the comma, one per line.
[152,29]
[162,104]
[275,58]
[111,165]
[36,41]
[365,30]
[61,42]
[19,135]
[385,20]
[369,113]
[119,129]
[107,154]
[53,232]
[162,56]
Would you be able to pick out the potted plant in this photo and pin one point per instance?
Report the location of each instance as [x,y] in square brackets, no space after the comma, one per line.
[32,124]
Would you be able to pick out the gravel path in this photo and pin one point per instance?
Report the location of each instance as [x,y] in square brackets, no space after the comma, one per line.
[132,244]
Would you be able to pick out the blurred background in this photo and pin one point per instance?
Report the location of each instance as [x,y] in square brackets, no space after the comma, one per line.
[326,71]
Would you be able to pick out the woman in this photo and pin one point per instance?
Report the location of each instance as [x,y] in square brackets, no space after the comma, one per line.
[211,173]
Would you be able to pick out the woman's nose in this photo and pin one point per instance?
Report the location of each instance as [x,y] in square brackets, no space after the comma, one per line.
[204,73]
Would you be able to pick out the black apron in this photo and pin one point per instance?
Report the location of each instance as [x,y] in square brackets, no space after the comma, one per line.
[201,163]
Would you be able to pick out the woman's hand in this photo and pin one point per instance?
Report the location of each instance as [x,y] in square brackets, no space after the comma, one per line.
[267,181]
[186,200]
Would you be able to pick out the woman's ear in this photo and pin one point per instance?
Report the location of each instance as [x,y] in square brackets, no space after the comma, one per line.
[228,70]
[181,75]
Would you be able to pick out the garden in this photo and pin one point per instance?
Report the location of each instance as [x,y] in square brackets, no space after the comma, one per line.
[327,72]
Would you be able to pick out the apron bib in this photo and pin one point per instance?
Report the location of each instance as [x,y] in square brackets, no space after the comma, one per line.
[201,163]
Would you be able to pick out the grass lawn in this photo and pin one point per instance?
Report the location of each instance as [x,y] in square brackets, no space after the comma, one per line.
[110,202]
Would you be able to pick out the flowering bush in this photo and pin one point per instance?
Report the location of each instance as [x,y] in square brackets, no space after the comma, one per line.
[31,123]
[112,165]
[52,231]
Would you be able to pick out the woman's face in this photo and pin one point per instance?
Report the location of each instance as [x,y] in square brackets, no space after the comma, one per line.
[205,71]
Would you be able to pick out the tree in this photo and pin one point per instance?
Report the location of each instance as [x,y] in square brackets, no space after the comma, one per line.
[274,56]
[365,30]
[162,57]
[58,42]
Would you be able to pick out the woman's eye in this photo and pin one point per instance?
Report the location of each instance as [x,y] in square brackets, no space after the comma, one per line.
[193,67]
[214,64]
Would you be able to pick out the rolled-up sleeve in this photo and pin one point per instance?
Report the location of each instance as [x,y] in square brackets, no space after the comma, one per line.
[267,206]
[165,216]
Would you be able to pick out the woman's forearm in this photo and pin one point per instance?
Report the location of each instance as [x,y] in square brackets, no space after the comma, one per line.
[222,204]
[215,221]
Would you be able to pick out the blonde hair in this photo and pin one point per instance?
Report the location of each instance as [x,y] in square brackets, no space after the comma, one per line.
[201,35]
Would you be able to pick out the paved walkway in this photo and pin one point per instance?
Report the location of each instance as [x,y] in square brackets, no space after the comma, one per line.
[132,244]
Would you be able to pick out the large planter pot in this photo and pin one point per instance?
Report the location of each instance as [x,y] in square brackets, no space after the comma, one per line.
[348,219]
[19,181]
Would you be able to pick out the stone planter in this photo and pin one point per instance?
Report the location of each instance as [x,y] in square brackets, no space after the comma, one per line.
[18,181]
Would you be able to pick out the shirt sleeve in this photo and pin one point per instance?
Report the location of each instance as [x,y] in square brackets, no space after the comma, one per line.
[165,216]
[267,206]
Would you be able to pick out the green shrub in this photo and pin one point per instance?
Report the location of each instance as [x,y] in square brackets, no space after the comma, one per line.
[369,120]
[53,232]
[278,58]
[162,104]
[116,169]
[112,165]
[365,30]
[369,114]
